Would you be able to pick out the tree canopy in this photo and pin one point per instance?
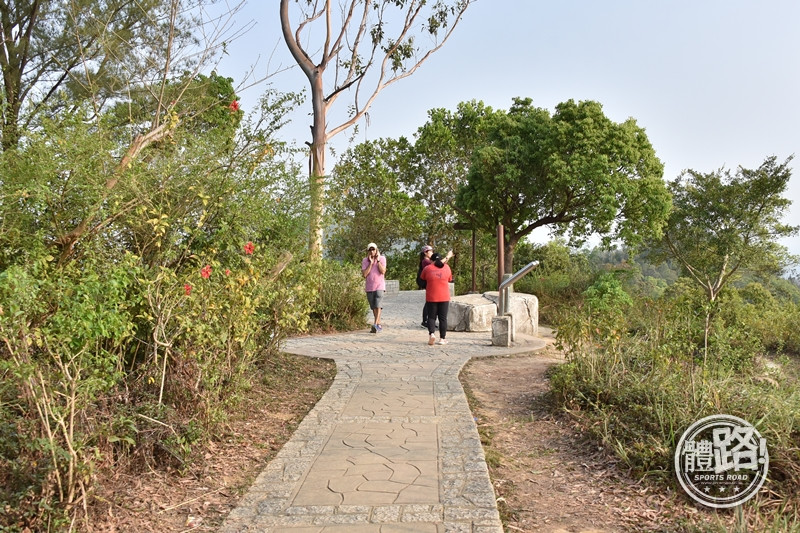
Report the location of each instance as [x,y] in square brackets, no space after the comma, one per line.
[91,49]
[724,222]
[442,154]
[366,202]
[575,171]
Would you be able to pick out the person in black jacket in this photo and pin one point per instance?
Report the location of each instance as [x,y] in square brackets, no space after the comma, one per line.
[424,260]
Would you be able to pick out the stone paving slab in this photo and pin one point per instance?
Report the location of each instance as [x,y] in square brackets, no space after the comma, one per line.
[391,447]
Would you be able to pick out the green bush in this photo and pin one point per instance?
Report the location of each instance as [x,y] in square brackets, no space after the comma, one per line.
[559,281]
[117,345]
[639,404]
[772,317]
[341,303]
[65,332]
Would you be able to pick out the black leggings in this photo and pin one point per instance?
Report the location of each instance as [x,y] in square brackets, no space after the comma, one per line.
[437,309]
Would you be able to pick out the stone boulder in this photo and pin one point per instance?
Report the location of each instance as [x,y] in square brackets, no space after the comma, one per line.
[474,312]
[471,312]
[524,308]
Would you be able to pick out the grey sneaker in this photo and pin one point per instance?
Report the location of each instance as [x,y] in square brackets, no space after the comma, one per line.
[379,328]
[442,341]
[373,329]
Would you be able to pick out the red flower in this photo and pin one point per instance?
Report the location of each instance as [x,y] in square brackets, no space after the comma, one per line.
[206,272]
[249,248]
[234,106]
[227,271]
[187,289]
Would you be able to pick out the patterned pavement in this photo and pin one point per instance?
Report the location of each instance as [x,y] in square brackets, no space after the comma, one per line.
[391,447]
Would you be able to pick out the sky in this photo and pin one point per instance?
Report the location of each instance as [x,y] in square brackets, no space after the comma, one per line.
[715,83]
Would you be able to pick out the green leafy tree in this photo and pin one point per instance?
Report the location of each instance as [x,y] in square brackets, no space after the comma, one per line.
[367,204]
[443,151]
[723,223]
[140,60]
[365,47]
[142,241]
[175,291]
[84,48]
[575,171]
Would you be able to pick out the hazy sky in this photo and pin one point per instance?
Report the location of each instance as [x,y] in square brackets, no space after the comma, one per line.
[714,83]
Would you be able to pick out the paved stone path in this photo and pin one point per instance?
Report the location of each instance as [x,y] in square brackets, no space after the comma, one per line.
[391,447]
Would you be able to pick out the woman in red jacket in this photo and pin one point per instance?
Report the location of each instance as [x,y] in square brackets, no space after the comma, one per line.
[437,296]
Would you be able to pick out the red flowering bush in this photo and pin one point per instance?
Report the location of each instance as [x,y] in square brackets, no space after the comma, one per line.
[221,325]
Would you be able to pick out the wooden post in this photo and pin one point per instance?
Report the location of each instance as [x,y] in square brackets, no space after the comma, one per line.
[470,226]
[501,260]
[474,287]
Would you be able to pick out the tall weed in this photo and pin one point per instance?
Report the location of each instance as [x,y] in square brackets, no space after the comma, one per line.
[639,398]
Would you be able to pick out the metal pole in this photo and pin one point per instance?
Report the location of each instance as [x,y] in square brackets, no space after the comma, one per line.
[503,289]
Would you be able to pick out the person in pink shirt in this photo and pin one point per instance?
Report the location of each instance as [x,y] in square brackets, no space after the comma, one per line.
[373,268]
[437,278]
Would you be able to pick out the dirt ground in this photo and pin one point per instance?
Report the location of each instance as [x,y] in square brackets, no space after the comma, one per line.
[547,478]
[198,497]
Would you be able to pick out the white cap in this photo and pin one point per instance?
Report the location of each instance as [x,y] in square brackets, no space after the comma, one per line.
[372,245]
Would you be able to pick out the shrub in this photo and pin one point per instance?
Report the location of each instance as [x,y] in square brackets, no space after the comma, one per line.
[600,318]
[65,330]
[559,281]
[638,399]
[99,351]
[341,303]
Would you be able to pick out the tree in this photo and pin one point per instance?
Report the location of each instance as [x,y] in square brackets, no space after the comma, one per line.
[443,150]
[723,223]
[369,45]
[85,48]
[86,57]
[575,171]
[366,202]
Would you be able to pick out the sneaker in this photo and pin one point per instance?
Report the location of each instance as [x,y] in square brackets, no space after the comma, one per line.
[431,340]
[442,341]
[373,329]
[379,328]
[424,325]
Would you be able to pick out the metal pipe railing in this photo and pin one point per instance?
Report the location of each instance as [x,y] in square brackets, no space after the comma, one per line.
[502,298]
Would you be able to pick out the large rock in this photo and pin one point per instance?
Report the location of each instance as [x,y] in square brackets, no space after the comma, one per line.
[471,312]
[474,312]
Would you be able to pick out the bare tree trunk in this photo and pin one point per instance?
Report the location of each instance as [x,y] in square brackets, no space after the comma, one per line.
[509,247]
[351,49]
[317,169]
[706,330]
